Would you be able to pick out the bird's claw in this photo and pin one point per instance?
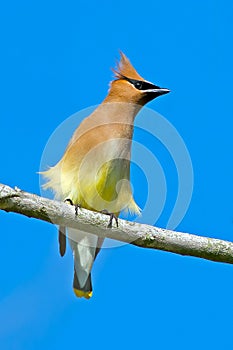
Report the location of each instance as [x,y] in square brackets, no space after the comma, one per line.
[112,216]
[76,206]
[69,201]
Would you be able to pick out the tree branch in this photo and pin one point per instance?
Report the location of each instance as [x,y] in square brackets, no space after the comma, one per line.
[31,205]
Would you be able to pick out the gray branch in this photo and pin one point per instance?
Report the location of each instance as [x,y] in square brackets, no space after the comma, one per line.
[31,205]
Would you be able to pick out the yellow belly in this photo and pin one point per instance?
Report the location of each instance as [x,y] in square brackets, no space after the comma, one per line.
[94,185]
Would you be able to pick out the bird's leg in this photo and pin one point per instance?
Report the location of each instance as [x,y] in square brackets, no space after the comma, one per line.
[76,206]
[112,216]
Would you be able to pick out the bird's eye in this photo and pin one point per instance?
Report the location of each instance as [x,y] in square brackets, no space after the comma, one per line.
[138,85]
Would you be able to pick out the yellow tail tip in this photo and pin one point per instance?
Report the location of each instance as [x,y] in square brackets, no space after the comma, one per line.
[82,294]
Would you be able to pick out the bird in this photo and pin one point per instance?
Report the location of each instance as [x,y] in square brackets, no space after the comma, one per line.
[94,172]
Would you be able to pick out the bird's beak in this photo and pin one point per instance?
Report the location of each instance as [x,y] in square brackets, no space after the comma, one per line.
[159,91]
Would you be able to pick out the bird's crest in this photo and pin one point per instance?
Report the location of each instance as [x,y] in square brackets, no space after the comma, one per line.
[125,69]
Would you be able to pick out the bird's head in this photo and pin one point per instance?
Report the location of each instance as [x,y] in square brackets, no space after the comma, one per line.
[130,87]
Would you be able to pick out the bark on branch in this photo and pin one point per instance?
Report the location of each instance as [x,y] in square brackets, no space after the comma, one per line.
[31,205]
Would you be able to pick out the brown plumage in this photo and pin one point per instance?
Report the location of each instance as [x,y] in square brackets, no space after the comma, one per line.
[94,171]
[125,69]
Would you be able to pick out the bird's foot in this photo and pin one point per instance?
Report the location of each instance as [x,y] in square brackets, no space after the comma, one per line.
[76,206]
[112,216]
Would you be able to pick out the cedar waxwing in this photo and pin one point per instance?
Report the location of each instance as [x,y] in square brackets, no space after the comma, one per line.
[94,171]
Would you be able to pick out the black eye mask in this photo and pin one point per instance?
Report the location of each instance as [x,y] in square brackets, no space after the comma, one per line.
[141,85]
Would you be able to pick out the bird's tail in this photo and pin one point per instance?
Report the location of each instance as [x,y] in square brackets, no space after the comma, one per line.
[86,290]
[84,252]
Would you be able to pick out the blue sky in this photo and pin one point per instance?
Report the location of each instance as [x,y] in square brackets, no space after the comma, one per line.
[55,61]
